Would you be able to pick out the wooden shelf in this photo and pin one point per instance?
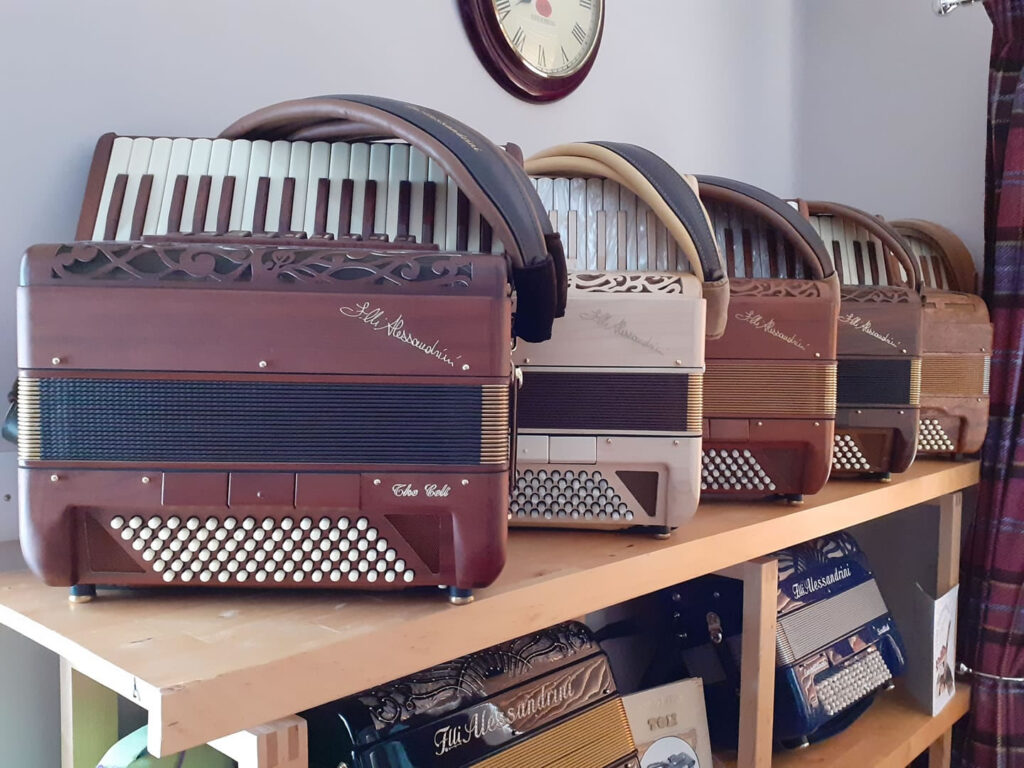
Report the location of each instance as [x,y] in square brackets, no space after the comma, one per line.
[890,734]
[206,664]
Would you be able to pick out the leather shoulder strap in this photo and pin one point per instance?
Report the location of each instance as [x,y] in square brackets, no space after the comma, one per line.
[493,183]
[952,250]
[673,200]
[880,229]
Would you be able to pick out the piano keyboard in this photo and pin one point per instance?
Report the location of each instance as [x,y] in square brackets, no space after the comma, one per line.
[374,191]
[604,226]
[751,247]
[860,257]
[934,272]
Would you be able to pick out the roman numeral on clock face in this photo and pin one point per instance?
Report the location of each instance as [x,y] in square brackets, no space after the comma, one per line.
[579,33]
[503,7]
[588,4]
[518,38]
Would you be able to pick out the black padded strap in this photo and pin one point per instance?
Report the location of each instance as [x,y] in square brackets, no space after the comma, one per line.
[679,196]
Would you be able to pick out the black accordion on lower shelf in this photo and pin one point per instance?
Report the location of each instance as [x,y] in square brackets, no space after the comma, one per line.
[545,700]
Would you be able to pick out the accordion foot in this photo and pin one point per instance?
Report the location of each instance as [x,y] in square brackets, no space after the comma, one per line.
[794,499]
[801,743]
[82,593]
[458,596]
[663,533]
[882,477]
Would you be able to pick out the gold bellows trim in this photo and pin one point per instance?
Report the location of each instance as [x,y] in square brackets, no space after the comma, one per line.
[494,427]
[594,739]
[745,389]
[915,381]
[695,403]
[955,375]
[30,444]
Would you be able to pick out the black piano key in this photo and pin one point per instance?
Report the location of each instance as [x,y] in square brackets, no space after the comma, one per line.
[486,236]
[892,269]
[177,204]
[429,201]
[873,262]
[323,196]
[793,265]
[858,259]
[462,223]
[748,253]
[837,260]
[114,210]
[284,219]
[345,222]
[730,252]
[369,209]
[141,204]
[202,203]
[774,261]
[227,194]
[259,216]
[404,210]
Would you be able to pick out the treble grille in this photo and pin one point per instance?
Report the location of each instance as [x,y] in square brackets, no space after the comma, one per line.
[153,421]
[955,375]
[606,402]
[752,389]
[880,382]
[821,623]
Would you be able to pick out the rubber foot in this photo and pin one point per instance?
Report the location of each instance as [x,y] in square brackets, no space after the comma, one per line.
[81,593]
[794,499]
[458,596]
[884,477]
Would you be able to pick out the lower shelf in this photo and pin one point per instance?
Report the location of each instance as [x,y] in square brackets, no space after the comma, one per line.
[889,735]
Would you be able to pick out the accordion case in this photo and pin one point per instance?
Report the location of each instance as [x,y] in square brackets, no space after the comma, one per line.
[609,415]
[836,642]
[770,385]
[305,411]
[546,700]
[879,395]
[956,343]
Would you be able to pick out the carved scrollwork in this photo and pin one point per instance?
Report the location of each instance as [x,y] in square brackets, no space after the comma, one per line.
[463,681]
[875,294]
[796,289]
[258,266]
[626,282]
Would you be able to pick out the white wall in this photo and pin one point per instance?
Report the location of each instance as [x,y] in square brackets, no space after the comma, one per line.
[892,103]
[75,70]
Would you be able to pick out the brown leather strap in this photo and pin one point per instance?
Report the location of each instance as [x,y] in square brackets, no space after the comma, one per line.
[950,248]
[668,194]
[493,183]
[880,229]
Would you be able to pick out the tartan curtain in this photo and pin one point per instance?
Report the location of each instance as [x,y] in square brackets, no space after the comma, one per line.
[993,563]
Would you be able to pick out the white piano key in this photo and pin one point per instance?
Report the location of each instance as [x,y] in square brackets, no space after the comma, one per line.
[259,168]
[298,169]
[451,224]
[359,172]
[379,172]
[138,166]
[578,204]
[398,171]
[845,238]
[339,170]
[220,162]
[277,170]
[198,166]
[319,168]
[436,174]
[120,153]
[628,254]
[417,177]
[159,160]
[238,169]
[473,239]
[595,224]
[560,202]
[610,205]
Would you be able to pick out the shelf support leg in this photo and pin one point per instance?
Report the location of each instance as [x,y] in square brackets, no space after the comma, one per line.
[88,719]
[757,671]
[280,744]
[940,753]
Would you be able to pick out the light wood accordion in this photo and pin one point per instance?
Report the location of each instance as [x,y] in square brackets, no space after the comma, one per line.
[286,405]
[770,386]
[609,416]
[956,344]
[545,700]
[879,395]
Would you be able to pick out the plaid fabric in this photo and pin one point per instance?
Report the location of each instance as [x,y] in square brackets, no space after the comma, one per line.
[992,628]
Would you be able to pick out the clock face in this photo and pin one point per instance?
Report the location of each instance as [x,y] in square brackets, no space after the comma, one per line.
[554,38]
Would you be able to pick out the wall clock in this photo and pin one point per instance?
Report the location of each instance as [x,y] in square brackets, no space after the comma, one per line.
[538,50]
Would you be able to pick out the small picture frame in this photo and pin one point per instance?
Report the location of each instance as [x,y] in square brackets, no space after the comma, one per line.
[670,725]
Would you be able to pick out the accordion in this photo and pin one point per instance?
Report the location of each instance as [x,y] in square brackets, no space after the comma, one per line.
[770,385]
[956,343]
[879,392]
[546,700]
[836,643]
[609,415]
[302,409]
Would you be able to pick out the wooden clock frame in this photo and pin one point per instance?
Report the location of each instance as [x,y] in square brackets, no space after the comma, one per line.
[504,64]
